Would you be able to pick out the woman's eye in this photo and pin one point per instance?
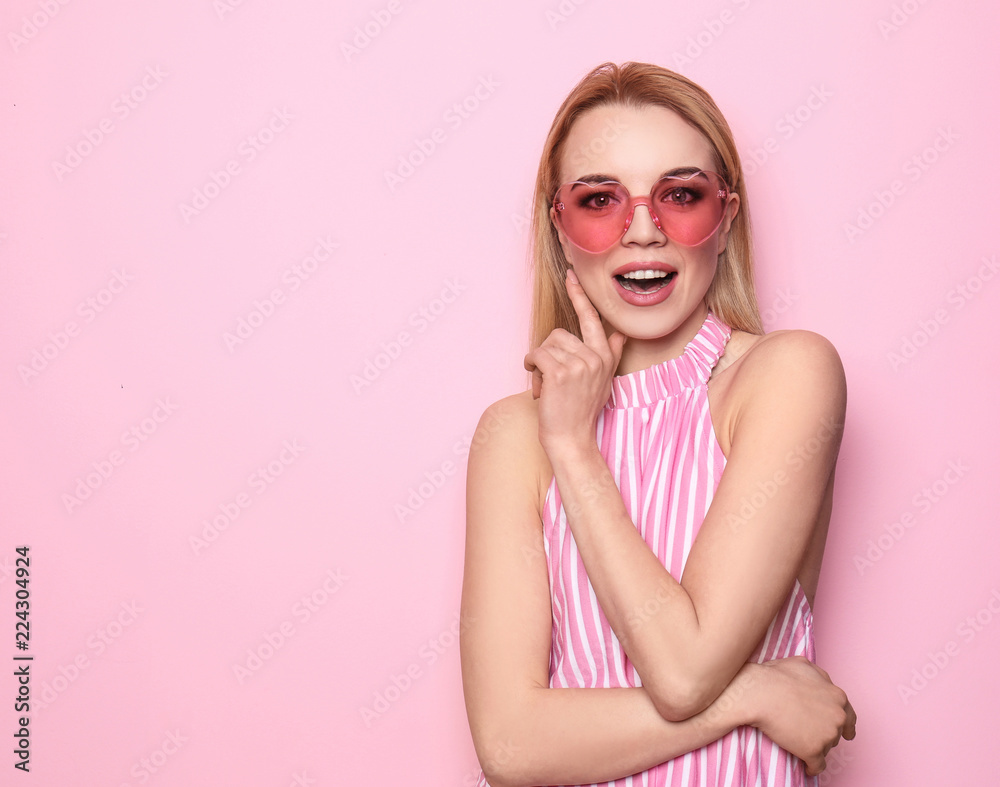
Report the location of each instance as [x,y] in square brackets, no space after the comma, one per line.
[599,200]
[680,195]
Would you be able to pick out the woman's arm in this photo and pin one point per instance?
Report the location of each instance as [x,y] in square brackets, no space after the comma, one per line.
[526,733]
[785,437]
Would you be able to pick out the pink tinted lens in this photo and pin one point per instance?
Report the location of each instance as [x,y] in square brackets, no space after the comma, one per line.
[688,210]
[592,214]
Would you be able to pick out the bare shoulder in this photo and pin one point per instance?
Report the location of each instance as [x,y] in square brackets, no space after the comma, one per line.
[507,417]
[796,373]
[789,371]
[794,357]
[792,352]
[506,442]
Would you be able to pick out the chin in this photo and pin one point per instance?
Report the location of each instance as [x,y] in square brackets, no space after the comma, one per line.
[648,333]
[646,326]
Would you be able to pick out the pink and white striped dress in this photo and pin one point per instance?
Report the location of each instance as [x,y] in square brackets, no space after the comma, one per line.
[656,435]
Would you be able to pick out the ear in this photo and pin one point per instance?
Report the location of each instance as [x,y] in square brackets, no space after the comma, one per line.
[732,208]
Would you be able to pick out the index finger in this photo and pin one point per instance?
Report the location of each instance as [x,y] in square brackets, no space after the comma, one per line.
[590,321]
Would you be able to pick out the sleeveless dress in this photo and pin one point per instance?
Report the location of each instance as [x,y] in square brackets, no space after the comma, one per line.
[656,434]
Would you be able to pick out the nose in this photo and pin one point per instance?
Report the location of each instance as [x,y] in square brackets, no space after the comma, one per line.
[642,229]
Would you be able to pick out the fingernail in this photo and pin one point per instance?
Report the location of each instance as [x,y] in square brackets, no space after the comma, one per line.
[571,275]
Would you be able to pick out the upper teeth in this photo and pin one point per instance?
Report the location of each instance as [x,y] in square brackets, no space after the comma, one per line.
[649,274]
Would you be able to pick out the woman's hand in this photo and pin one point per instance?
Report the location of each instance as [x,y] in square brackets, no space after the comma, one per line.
[800,709]
[572,378]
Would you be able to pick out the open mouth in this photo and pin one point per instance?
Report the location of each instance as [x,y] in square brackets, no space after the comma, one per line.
[645,281]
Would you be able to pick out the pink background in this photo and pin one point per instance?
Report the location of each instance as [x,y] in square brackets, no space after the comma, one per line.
[121,287]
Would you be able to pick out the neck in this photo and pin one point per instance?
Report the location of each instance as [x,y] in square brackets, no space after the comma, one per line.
[643,353]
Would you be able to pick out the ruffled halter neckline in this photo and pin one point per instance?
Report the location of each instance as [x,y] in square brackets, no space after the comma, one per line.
[690,369]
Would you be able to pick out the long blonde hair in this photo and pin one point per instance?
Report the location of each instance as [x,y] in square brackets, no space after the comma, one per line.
[731,296]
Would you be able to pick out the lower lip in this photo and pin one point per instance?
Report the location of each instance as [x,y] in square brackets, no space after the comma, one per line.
[643,298]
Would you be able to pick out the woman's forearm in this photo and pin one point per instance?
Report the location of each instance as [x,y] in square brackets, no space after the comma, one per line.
[687,640]
[582,736]
[628,577]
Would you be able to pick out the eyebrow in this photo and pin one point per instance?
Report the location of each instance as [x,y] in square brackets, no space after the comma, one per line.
[600,178]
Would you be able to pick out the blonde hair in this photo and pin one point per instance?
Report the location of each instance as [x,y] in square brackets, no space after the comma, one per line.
[731,296]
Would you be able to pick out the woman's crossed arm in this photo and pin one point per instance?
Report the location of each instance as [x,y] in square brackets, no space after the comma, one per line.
[526,733]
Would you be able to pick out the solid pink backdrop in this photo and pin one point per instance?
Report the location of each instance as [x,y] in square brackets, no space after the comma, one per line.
[263,270]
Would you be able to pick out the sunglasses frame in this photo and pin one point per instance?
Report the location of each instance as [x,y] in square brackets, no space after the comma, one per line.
[560,205]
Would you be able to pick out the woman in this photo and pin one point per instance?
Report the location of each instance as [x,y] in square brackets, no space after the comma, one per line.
[601,638]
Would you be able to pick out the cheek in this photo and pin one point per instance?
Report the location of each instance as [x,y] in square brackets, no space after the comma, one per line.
[600,291]
[589,267]
[591,276]
[708,261]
